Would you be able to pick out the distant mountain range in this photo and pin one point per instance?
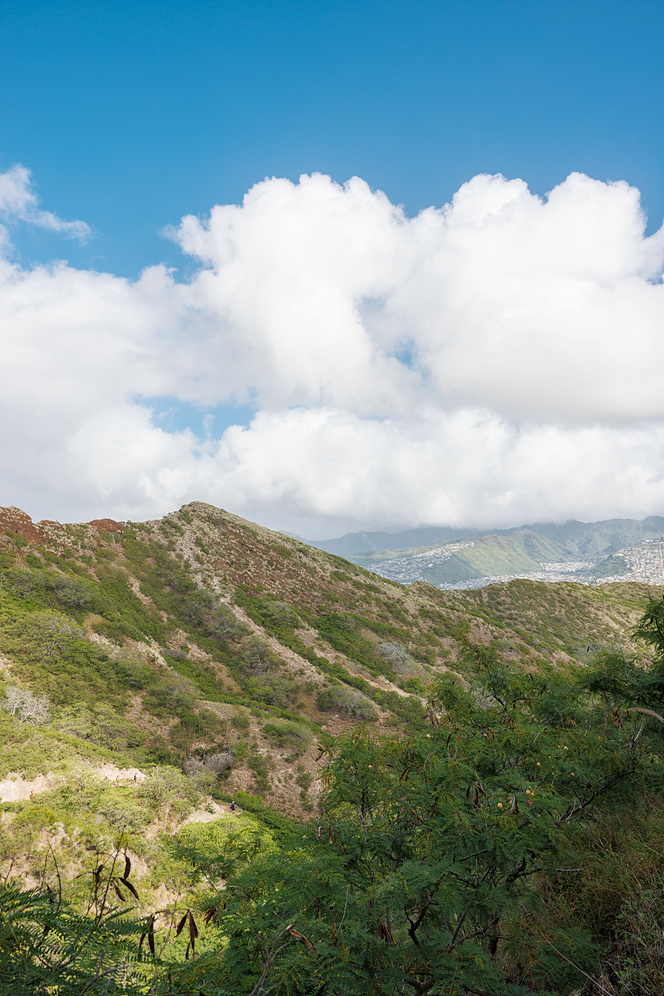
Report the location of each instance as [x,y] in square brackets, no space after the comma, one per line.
[589,552]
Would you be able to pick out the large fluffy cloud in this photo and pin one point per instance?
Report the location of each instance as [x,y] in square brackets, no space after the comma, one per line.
[494,361]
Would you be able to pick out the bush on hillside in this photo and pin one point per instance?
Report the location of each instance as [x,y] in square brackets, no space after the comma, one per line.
[394,652]
[100,724]
[166,785]
[193,607]
[257,656]
[212,764]
[287,735]
[224,624]
[340,698]
[51,652]
[273,690]
[171,694]
[70,592]
[25,706]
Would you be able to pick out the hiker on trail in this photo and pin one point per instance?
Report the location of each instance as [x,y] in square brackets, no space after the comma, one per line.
[232,807]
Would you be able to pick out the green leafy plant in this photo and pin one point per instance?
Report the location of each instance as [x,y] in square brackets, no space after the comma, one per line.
[340,698]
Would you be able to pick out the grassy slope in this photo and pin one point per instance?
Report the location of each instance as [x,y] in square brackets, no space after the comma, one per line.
[203,633]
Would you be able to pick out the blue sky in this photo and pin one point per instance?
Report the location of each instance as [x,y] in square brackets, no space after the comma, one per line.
[132,114]
[319,358]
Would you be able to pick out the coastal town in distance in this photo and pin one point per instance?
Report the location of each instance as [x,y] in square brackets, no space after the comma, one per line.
[643,562]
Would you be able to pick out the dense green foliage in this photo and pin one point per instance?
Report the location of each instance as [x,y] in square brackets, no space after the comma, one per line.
[455,861]
[430,870]
[48,947]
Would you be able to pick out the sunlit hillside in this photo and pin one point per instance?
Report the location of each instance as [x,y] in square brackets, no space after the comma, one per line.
[177,688]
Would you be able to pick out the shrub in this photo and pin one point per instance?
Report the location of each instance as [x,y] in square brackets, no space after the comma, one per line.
[240,721]
[26,706]
[260,768]
[287,735]
[48,586]
[124,815]
[276,616]
[166,784]
[414,685]
[99,723]
[224,625]
[212,764]
[272,690]
[344,633]
[340,698]
[257,656]
[407,708]
[280,612]
[281,550]
[51,652]
[170,695]
[394,652]
[133,672]
[223,847]
[69,591]
[195,726]
[248,801]
[193,607]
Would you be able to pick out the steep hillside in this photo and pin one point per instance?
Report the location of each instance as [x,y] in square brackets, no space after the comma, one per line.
[154,673]
[202,634]
[226,654]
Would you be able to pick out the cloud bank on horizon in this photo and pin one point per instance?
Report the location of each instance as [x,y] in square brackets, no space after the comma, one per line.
[495,361]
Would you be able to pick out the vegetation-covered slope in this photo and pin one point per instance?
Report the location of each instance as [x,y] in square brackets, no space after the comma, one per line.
[153,672]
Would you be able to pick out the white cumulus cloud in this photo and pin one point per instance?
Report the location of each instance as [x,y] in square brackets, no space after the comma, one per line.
[494,361]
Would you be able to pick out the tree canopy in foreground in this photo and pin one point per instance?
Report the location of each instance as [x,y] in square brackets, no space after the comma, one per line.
[507,848]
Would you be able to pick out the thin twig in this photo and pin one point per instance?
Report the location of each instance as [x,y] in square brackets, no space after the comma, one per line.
[101,975]
[589,977]
[57,872]
[271,955]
